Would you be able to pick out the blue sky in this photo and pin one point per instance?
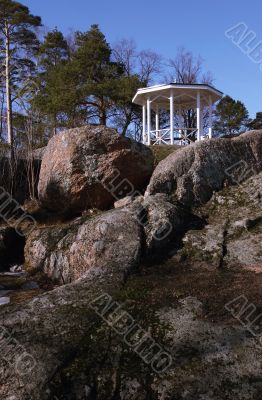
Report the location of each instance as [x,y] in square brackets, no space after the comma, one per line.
[163,26]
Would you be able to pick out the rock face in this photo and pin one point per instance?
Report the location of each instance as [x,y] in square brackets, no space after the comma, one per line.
[233,234]
[163,224]
[143,229]
[67,253]
[83,340]
[195,172]
[185,328]
[92,167]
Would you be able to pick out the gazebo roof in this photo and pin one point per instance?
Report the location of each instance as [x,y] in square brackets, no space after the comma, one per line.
[184,95]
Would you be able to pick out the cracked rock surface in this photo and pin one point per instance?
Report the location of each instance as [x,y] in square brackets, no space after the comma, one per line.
[233,234]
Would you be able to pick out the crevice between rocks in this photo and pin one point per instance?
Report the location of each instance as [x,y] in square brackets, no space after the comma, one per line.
[224,246]
[12,244]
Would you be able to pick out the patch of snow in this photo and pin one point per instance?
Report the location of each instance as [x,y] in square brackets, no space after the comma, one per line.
[4,300]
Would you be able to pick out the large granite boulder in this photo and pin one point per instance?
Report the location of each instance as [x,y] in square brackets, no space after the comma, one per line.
[192,174]
[92,167]
[67,253]
[145,229]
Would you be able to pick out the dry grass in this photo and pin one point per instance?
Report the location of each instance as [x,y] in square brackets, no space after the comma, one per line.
[162,151]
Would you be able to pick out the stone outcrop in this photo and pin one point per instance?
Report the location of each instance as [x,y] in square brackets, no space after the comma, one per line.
[67,253]
[233,234]
[99,336]
[71,343]
[68,352]
[192,174]
[163,223]
[142,229]
[92,167]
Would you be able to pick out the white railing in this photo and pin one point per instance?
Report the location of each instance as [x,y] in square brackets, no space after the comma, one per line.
[161,136]
[187,136]
[181,136]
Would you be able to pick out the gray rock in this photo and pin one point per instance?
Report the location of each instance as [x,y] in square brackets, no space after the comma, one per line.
[162,221]
[39,153]
[233,235]
[128,200]
[92,167]
[123,202]
[67,253]
[205,245]
[246,251]
[195,172]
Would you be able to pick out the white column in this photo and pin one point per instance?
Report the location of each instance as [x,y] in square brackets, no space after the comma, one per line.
[171,117]
[157,122]
[148,122]
[144,123]
[198,116]
[210,129]
[180,122]
[202,120]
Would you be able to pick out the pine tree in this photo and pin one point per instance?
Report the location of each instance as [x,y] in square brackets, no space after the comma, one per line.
[58,98]
[18,37]
[231,116]
[257,122]
[53,50]
[98,74]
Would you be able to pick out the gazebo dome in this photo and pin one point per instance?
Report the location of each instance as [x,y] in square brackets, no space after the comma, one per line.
[177,98]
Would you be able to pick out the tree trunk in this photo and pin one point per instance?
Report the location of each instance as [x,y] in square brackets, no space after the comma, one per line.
[2,116]
[102,118]
[54,124]
[102,113]
[126,125]
[10,136]
[8,91]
